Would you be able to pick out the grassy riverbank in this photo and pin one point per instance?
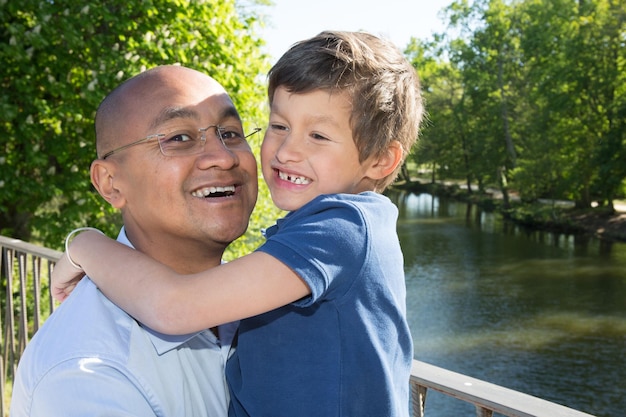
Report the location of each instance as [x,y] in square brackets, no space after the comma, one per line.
[555,216]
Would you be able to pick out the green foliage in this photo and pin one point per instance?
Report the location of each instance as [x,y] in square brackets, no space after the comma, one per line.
[529,95]
[264,215]
[60,58]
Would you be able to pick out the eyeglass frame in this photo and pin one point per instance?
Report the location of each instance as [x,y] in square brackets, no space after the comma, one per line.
[158,136]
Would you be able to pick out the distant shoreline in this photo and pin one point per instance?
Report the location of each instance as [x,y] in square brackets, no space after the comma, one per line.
[558,217]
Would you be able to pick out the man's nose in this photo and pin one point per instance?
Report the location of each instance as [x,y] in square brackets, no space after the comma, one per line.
[216,154]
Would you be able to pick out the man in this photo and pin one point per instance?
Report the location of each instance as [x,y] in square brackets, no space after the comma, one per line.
[173,158]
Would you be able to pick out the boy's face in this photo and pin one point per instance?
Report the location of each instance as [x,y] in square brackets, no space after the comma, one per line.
[308,149]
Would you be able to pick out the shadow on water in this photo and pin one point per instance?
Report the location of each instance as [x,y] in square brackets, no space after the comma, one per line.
[538,312]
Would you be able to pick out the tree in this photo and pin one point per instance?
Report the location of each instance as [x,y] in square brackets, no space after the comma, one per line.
[531,96]
[574,55]
[61,57]
[473,95]
[600,80]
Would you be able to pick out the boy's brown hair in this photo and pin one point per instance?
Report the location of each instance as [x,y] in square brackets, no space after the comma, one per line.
[382,85]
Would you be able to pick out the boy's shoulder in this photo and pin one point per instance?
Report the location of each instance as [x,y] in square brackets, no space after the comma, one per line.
[325,210]
[367,200]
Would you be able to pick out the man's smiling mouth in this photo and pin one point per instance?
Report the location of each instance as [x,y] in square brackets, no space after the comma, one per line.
[210,192]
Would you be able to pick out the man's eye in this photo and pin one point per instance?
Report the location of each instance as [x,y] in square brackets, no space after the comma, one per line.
[230,134]
[181,137]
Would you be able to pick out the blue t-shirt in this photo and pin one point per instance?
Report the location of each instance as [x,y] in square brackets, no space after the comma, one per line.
[345,350]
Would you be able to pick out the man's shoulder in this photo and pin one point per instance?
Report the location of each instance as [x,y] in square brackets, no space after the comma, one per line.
[86,324]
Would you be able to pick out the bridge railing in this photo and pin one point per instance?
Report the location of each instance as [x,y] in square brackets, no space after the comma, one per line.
[486,397]
[25,271]
[25,278]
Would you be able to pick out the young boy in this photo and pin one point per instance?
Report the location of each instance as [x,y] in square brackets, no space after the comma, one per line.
[324,330]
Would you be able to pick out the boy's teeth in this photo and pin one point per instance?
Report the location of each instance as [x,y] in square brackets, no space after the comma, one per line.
[209,191]
[294,179]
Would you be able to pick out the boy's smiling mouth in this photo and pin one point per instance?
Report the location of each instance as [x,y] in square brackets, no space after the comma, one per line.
[294,179]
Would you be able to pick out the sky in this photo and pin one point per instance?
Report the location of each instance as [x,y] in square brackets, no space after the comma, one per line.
[289,21]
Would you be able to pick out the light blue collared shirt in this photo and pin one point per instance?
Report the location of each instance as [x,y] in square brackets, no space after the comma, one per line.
[90,358]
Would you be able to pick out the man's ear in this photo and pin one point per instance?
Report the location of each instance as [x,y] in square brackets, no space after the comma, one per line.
[103,179]
[385,164]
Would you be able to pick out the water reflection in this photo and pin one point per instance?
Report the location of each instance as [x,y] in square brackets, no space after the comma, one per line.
[538,312]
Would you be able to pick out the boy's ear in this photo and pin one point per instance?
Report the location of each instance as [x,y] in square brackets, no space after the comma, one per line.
[103,179]
[387,162]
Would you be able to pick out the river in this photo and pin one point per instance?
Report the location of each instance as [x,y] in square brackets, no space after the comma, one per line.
[536,312]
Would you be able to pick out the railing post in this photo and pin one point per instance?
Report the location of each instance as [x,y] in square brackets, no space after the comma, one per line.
[22,335]
[8,347]
[418,399]
[3,275]
[36,293]
[483,412]
[51,302]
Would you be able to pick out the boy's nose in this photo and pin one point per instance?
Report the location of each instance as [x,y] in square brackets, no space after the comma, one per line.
[289,149]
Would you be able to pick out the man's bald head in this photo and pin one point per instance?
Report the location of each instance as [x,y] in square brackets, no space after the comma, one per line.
[126,101]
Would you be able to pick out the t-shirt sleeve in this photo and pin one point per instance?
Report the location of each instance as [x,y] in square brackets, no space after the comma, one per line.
[324,244]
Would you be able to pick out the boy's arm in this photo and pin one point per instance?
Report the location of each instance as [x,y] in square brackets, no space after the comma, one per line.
[172,303]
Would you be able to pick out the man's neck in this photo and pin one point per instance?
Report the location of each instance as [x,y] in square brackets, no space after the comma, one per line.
[185,257]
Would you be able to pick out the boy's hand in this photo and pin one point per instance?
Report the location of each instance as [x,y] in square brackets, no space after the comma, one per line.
[64,278]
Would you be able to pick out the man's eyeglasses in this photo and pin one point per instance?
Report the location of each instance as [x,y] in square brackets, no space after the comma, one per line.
[189,143]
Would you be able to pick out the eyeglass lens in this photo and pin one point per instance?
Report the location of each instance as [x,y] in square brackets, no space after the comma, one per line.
[231,137]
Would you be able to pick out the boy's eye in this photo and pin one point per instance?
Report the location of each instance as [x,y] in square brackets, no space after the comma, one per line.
[318,136]
[278,127]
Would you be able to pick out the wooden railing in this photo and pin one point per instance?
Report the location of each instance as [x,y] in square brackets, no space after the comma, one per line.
[486,397]
[26,269]
[25,277]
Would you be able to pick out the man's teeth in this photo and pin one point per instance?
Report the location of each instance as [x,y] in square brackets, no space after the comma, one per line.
[214,191]
[294,179]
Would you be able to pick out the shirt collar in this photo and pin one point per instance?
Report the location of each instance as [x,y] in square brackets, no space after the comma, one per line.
[162,342]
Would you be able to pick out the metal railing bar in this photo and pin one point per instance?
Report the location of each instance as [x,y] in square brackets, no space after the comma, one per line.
[486,395]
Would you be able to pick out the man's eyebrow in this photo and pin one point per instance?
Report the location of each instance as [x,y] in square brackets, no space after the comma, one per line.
[170,113]
[229,112]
